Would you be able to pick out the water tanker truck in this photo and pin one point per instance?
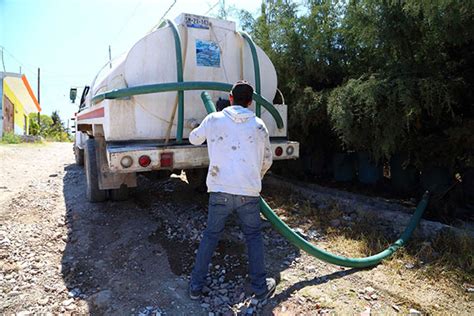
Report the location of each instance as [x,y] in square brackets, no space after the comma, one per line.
[136,115]
[138,112]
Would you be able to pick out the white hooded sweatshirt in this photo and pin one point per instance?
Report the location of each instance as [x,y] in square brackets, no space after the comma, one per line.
[239,150]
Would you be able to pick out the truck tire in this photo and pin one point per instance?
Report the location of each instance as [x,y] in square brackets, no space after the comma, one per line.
[94,194]
[79,154]
[120,194]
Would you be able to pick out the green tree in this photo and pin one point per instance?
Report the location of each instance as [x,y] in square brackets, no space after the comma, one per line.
[385,76]
[50,128]
[39,129]
[416,56]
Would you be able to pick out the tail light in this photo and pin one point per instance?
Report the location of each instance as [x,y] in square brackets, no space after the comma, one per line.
[278,151]
[126,161]
[144,161]
[166,159]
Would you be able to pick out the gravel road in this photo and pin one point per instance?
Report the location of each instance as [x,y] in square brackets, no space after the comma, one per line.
[62,254]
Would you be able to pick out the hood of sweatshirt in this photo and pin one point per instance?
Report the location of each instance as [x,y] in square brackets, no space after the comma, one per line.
[238,113]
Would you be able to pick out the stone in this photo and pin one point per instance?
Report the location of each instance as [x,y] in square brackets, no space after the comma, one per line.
[335,223]
[300,232]
[413,312]
[71,307]
[102,299]
[68,302]
[369,290]
[366,312]
[205,305]
[217,301]
[43,301]
[74,292]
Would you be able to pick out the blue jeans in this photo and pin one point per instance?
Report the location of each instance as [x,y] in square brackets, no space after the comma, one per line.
[221,206]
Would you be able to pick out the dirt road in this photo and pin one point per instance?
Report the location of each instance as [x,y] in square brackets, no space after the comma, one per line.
[62,254]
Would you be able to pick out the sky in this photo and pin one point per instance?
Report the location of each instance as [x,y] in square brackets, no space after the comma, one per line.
[69,39]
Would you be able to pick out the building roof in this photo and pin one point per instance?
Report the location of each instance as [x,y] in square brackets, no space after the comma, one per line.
[20,86]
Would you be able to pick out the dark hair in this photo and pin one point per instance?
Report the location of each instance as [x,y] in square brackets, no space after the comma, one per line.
[242,92]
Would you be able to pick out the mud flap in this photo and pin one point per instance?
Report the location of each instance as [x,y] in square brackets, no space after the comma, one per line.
[111,180]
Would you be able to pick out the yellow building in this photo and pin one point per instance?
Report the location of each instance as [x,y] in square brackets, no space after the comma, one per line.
[17,101]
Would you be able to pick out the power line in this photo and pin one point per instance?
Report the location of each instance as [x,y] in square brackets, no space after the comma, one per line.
[170,7]
[16,59]
[32,68]
[128,20]
[162,17]
[211,8]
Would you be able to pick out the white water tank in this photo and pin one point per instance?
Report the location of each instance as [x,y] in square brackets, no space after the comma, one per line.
[212,50]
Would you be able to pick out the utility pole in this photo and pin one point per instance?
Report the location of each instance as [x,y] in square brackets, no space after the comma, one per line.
[110,57]
[38,96]
[3,61]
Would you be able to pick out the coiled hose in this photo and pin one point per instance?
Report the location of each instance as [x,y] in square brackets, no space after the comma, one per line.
[319,253]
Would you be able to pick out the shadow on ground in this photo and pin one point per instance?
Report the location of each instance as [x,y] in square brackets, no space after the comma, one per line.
[124,258]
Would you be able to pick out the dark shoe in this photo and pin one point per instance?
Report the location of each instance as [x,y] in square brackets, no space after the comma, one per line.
[271,286]
[194,294]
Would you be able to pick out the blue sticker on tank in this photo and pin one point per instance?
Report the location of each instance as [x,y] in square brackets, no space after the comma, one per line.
[207,54]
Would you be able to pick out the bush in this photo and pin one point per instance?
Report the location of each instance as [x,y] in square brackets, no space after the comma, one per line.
[50,128]
[58,137]
[368,114]
[10,138]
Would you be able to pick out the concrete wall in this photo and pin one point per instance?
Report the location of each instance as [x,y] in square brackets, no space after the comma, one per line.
[20,123]
[1,105]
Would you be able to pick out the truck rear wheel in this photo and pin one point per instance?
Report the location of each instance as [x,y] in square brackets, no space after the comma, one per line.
[94,193]
[79,155]
[120,194]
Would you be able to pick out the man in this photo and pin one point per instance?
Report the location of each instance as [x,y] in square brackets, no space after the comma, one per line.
[240,154]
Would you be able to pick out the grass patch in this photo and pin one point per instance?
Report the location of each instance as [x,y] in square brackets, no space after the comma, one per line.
[449,256]
[10,138]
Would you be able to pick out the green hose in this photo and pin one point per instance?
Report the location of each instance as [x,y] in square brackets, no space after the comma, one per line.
[256,69]
[301,243]
[182,86]
[306,246]
[208,104]
[179,75]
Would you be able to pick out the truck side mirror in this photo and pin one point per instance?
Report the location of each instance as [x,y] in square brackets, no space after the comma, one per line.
[73,94]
